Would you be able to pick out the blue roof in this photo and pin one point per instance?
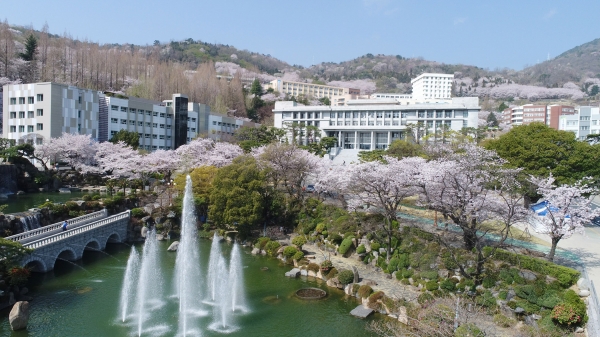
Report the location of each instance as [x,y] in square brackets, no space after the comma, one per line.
[542,207]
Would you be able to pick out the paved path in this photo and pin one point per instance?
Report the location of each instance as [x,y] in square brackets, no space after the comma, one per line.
[390,287]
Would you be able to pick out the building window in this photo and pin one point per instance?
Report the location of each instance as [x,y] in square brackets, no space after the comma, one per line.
[155,114]
[140,123]
[29,128]
[193,129]
[584,118]
[168,126]
[21,114]
[40,97]
[162,126]
[123,109]
[132,110]
[30,100]
[21,128]
[148,124]
[162,114]
[141,112]
[21,100]
[114,120]
[154,125]
[154,136]
[13,128]
[148,113]
[29,114]
[114,108]
[79,114]
[13,114]
[124,121]
[13,100]
[162,137]
[39,141]
[193,120]
[40,112]
[147,135]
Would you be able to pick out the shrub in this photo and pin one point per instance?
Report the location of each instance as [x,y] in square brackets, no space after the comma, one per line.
[489,282]
[325,233]
[376,296]
[299,241]
[355,288]
[486,299]
[138,213]
[407,273]
[320,228]
[332,273]
[348,235]
[375,246]
[566,314]
[468,330]
[405,282]
[364,291]
[577,304]
[346,276]
[96,197]
[18,275]
[503,321]
[86,197]
[432,285]
[403,261]
[261,242]
[503,294]
[361,249]
[326,265]
[345,246]
[289,251]
[448,261]
[425,299]
[71,205]
[430,275]
[313,267]
[335,238]
[399,275]
[448,285]
[298,256]
[393,265]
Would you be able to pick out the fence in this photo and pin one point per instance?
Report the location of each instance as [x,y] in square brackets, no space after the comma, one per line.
[593,326]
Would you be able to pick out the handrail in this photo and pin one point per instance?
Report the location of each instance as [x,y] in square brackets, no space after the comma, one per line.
[58,225]
[72,232]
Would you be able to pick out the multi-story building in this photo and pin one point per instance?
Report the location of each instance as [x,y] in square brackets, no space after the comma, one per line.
[40,111]
[585,121]
[309,89]
[375,126]
[432,86]
[530,113]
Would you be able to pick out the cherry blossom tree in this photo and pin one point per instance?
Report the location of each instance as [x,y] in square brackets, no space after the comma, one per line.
[472,188]
[565,210]
[79,151]
[161,161]
[381,187]
[207,152]
[118,161]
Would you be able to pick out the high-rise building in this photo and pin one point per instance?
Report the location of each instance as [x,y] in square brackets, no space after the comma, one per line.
[432,86]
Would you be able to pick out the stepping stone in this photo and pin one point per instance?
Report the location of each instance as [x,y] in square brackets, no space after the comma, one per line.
[361,312]
[293,273]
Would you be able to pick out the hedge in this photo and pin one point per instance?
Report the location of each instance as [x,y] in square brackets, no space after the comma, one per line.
[539,266]
[345,246]
[346,276]
[364,291]
[289,251]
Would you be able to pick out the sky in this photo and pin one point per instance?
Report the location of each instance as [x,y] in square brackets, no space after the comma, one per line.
[486,33]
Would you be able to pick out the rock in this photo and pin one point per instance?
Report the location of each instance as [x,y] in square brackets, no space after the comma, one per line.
[280,250]
[510,295]
[303,272]
[528,275]
[19,316]
[519,310]
[309,257]
[355,271]
[388,276]
[173,247]
[583,284]
[457,277]
[530,321]
[579,330]
[312,273]
[64,190]
[411,281]
[443,273]
[584,293]
[144,231]
[348,289]
[420,286]
[11,298]
[402,316]
[293,273]
[375,255]
[160,237]
[42,189]
[23,291]
[263,252]
[20,192]
[536,317]
[361,311]
[335,283]
[381,250]
[228,239]
[369,282]
[360,257]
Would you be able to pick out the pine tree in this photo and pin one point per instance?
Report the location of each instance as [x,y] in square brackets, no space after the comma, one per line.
[256,88]
[30,49]
[492,121]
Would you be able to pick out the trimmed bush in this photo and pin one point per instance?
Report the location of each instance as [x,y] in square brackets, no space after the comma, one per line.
[298,256]
[261,242]
[355,288]
[468,330]
[299,241]
[313,267]
[489,282]
[566,314]
[326,265]
[425,299]
[503,321]
[289,251]
[448,285]
[345,246]
[361,249]
[364,291]
[346,276]
[325,233]
[432,285]
[332,273]
[575,301]
[320,228]
[376,296]
[271,248]
[407,273]
[393,265]
[430,275]
[503,294]
[335,238]
[375,246]
[486,299]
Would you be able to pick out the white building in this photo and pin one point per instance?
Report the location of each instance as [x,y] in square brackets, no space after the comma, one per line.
[585,121]
[432,86]
[40,111]
[309,89]
[374,126]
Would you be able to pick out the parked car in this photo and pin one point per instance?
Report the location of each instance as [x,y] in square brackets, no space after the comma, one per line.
[309,189]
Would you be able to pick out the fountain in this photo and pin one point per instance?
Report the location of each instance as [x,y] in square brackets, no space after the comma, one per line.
[129,282]
[187,270]
[213,268]
[149,284]
[236,278]
[222,310]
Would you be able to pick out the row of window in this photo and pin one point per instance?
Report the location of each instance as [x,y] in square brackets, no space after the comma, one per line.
[39,127]
[429,124]
[235,126]
[13,100]
[139,111]
[39,113]
[139,123]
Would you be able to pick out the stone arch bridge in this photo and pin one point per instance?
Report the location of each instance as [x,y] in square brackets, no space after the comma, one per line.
[89,232]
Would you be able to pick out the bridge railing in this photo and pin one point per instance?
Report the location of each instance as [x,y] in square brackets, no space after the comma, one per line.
[76,231]
[57,226]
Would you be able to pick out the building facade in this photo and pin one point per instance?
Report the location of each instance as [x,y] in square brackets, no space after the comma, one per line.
[585,121]
[40,111]
[432,86]
[529,113]
[309,89]
[374,126]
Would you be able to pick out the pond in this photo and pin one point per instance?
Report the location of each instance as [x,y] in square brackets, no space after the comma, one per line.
[83,300]
[21,203]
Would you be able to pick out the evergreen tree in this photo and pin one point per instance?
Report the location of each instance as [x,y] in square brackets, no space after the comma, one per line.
[128,137]
[30,49]
[256,88]
[492,121]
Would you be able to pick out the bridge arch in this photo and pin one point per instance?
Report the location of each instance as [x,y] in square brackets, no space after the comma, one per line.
[35,264]
[67,253]
[92,244]
[114,237]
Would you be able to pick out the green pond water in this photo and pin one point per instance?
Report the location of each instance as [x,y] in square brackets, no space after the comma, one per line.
[21,203]
[83,300]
